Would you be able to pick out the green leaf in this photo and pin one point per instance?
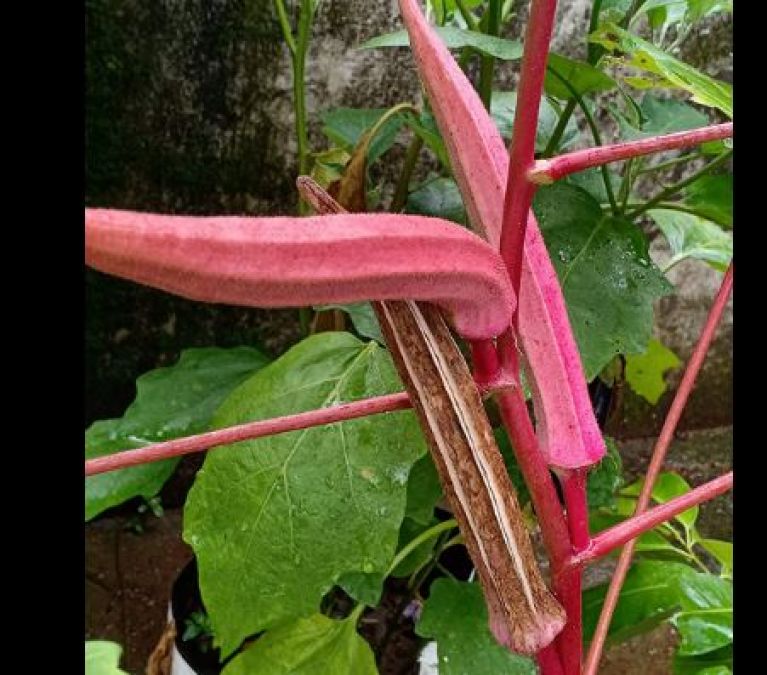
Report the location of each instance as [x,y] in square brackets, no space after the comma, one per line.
[363,318]
[503,106]
[276,521]
[668,486]
[591,180]
[661,116]
[440,198]
[170,402]
[582,77]
[426,128]
[345,127]
[102,658]
[605,478]
[690,236]
[410,530]
[711,197]
[423,490]
[315,645]
[455,38]
[705,622]
[644,372]
[608,279]
[650,595]
[653,544]
[717,662]
[455,616]
[665,69]
[722,551]
[363,587]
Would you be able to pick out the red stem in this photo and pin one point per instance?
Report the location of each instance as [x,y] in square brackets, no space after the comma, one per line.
[629,529]
[548,660]
[574,489]
[243,432]
[519,190]
[656,462]
[548,170]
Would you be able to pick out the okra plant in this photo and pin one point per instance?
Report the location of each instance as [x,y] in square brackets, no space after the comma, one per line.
[506,281]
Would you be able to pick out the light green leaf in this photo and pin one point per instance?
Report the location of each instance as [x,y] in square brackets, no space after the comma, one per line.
[655,542]
[455,38]
[650,595]
[717,662]
[345,127]
[711,198]
[608,279]
[722,551]
[315,645]
[690,236]
[645,372]
[102,658]
[667,70]
[440,198]
[170,402]
[275,522]
[455,616]
[705,622]
[668,486]
[582,77]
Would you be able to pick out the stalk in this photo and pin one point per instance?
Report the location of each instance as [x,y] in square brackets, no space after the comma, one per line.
[656,462]
[487,65]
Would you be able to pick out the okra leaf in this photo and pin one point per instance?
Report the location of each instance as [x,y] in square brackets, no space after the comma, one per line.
[102,658]
[175,401]
[645,372]
[455,38]
[690,236]
[276,522]
[705,620]
[345,127]
[711,198]
[660,116]
[440,198]
[455,616]
[607,277]
[307,646]
[582,77]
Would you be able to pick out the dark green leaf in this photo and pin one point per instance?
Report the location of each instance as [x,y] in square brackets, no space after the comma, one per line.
[645,372]
[665,70]
[276,521]
[502,109]
[363,318]
[455,616]
[170,402]
[661,116]
[692,237]
[605,479]
[440,198]
[423,490]
[364,588]
[410,530]
[582,77]
[426,128]
[345,127]
[455,38]
[102,658]
[705,622]
[315,645]
[608,279]
[711,197]
[591,180]
[718,662]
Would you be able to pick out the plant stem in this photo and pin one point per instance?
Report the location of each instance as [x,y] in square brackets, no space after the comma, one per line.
[610,539]
[549,170]
[519,190]
[656,462]
[671,190]
[471,21]
[559,130]
[414,543]
[593,50]
[625,188]
[487,64]
[401,191]
[595,134]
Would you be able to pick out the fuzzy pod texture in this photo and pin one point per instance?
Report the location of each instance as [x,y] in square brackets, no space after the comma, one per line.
[294,262]
[567,430]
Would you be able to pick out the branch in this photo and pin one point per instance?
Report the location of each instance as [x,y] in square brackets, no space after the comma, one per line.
[547,171]
[629,529]
[656,462]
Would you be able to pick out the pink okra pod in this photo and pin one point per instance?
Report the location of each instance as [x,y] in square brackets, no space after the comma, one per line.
[292,262]
[567,430]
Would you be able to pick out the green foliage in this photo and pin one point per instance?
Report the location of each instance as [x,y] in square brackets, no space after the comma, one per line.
[363,319]
[315,645]
[275,522]
[582,77]
[438,197]
[455,616]
[170,402]
[659,116]
[690,236]
[503,107]
[345,127]
[662,69]
[608,279]
[711,197]
[455,38]
[102,658]
[645,372]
